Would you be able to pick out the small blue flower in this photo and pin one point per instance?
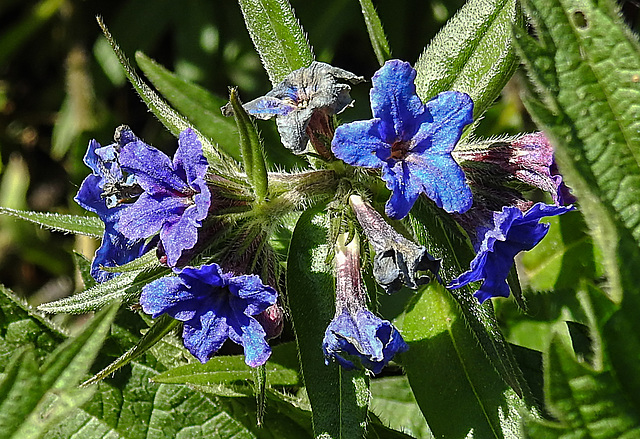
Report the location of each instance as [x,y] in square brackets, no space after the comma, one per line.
[497,245]
[363,335]
[410,141]
[214,305]
[99,193]
[176,198]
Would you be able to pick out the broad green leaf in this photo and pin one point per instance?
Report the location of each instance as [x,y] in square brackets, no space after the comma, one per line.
[338,398]
[229,369]
[252,153]
[81,225]
[124,287]
[277,36]
[170,118]
[443,351]
[394,403]
[41,396]
[195,103]
[376,32]
[473,53]
[587,403]
[443,239]
[583,66]
[563,257]
[161,327]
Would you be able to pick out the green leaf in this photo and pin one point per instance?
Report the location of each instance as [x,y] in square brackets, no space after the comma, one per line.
[39,397]
[81,225]
[252,153]
[439,233]
[338,398]
[442,351]
[587,402]
[473,53]
[170,118]
[583,67]
[161,327]
[124,287]
[277,36]
[230,369]
[394,403]
[197,104]
[376,32]
[84,267]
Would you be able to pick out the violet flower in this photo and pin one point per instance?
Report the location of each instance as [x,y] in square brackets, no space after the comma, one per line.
[397,259]
[355,332]
[176,198]
[410,141]
[214,306]
[100,193]
[302,94]
[497,244]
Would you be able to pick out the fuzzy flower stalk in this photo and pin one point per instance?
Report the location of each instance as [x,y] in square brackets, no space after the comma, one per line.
[355,333]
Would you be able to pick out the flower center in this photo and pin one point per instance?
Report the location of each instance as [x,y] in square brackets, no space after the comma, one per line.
[399,150]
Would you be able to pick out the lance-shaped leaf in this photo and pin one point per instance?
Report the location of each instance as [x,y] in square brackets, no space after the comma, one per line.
[584,67]
[338,398]
[197,104]
[376,32]
[252,153]
[80,225]
[277,36]
[473,53]
[170,118]
[455,385]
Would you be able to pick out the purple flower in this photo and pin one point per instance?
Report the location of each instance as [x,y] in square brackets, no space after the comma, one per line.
[410,141]
[355,332]
[314,90]
[498,243]
[100,193]
[214,305]
[176,198]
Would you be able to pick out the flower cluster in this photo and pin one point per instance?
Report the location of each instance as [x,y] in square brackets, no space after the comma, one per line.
[147,200]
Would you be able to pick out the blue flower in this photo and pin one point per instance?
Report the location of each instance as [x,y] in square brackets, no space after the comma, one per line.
[497,245]
[363,335]
[410,141]
[354,331]
[176,198]
[99,193]
[214,306]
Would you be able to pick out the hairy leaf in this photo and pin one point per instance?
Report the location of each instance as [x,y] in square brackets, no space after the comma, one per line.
[81,225]
[472,53]
[376,32]
[277,36]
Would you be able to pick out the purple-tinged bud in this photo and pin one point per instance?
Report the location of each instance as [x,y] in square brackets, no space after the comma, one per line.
[271,320]
[397,259]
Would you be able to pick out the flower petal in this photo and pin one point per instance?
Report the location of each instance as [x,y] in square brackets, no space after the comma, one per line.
[204,335]
[189,161]
[265,107]
[360,144]
[170,295]
[147,215]
[179,233]
[293,129]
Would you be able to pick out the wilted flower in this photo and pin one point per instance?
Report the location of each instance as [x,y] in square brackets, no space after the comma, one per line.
[497,244]
[397,259]
[309,91]
[99,193]
[214,305]
[411,142]
[355,331]
[175,199]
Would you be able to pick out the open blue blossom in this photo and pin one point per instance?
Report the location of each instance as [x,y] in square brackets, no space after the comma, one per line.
[410,141]
[497,245]
[176,198]
[355,332]
[99,193]
[214,306]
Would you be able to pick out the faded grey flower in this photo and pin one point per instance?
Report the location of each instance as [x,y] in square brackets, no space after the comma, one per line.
[315,91]
[397,259]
